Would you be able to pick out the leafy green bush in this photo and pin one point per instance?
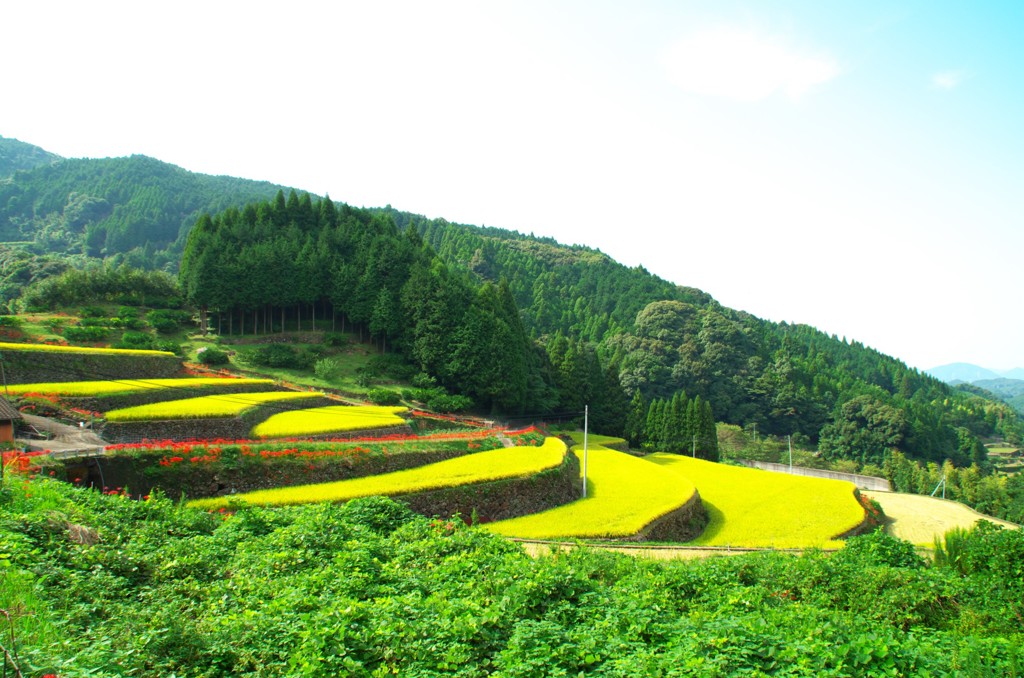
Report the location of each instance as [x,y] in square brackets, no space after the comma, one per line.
[85,334]
[382,396]
[449,403]
[211,355]
[140,340]
[368,588]
[379,514]
[336,339]
[166,321]
[327,369]
[392,365]
[879,548]
[279,355]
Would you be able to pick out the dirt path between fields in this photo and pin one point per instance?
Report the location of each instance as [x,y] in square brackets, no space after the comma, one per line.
[62,439]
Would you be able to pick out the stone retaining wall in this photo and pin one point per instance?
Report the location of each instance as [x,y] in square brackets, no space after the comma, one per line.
[28,367]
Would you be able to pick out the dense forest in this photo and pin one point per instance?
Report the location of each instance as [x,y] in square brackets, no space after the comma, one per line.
[137,210]
[523,325]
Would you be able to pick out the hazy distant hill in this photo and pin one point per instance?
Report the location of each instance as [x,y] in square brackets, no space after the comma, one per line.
[17,155]
[1010,390]
[957,372]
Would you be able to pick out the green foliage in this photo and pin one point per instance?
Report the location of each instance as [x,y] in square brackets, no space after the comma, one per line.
[471,306]
[447,403]
[292,259]
[137,340]
[211,355]
[327,369]
[101,282]
[379,514]
[85,333]
[17,155]
[278,355]
[383,396]
[878,548]
[136,208]
[167,321]
[368,589]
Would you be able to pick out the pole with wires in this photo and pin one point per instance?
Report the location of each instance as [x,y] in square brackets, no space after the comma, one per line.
[586,411]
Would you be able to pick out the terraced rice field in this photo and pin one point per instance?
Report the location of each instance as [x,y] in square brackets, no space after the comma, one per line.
[7,346]
[331,419]
[753,508]
[513,462]
[205,406]
[919,519]
[624,495]
[112,386]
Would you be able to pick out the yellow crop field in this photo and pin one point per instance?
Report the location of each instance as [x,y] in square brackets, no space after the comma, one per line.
[500,464]
[753,508]
[919,519]
[331,419]
[7,346]
[205,406]
[624,495]
[111,386]
[595,439]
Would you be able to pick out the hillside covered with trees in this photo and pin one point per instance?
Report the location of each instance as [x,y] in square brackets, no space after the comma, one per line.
[522,325]
[137,209]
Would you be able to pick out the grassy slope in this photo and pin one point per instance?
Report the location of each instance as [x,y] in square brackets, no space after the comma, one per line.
[753,508]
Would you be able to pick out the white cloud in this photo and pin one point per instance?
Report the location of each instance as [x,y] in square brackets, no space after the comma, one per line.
[744,66]
[948,79]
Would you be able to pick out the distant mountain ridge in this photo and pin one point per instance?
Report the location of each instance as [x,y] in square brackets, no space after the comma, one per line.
[960,372]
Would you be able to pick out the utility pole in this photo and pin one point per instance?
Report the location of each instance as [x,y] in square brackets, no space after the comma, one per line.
[790,439]
[694,446]
[586,412]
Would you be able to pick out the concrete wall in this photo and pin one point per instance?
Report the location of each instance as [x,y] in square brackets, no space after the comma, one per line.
[863,482]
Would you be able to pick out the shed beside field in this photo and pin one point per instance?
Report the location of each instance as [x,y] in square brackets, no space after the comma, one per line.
[8,418]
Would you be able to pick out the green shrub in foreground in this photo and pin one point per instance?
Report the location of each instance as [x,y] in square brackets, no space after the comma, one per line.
[332,590]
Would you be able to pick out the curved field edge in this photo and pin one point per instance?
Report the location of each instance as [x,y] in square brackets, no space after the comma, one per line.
[920,519]
[213,406]
[493,465]
[111,387]
[758,509]
[626,498]
[330,419]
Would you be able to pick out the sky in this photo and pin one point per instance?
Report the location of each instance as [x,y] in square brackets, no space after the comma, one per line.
[855,166]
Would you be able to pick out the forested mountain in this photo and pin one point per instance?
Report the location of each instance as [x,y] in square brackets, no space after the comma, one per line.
[134,209]
[1010,390]
[663,338]
[521,324]
[17,155]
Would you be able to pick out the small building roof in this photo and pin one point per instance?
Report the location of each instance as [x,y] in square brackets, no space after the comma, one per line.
[7,411]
